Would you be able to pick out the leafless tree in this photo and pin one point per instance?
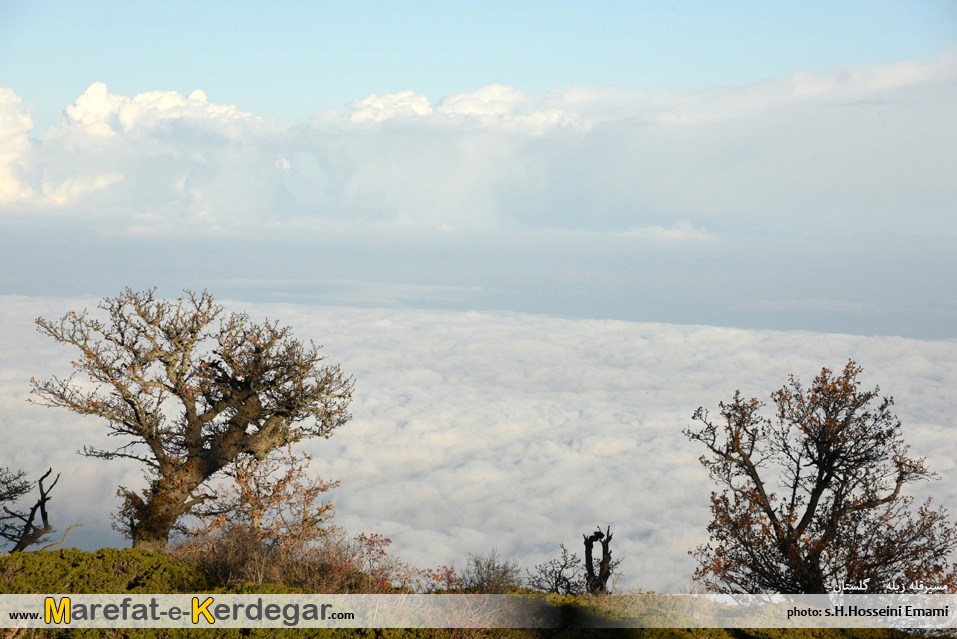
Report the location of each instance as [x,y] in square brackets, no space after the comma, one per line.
[491,574]
[563,575]
[840,465]
[191,391]
[18,527]
[13,486]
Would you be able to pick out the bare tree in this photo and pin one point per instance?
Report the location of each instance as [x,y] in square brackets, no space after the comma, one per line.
[191,391]
[491,574]
[18,527]
[597,583]
[13,486]
[563,575]
[839,464]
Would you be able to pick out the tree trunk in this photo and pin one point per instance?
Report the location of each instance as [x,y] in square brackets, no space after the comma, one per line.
[154,545]
[153,521]
[597,584]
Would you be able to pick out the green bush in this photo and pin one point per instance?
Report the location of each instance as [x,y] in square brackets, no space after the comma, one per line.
[132,571]
[108,570]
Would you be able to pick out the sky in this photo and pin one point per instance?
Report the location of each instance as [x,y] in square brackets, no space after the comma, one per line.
[760,165]
[780,173]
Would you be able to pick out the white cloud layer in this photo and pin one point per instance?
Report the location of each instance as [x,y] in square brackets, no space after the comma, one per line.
[856,148]
[473,430]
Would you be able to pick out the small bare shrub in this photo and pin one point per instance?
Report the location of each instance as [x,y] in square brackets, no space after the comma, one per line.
[232,555]
[359,565]
[490,574]
[563,575]
[335,563]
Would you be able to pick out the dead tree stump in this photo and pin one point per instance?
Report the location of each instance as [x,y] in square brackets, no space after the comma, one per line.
[597,584]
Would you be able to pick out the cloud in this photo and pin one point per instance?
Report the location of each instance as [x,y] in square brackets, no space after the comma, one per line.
[857,84]
[93,112]
[682,230]
[391,105]
[152,141]
[491,99]
[99,113]
[860,147]
[493,106]
[503,107]
[709,206]
[15,124]
[473,430]
[72,189]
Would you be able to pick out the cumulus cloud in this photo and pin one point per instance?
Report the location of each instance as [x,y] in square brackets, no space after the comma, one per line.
[97,112]
[504,107]
[491,99]
[155,142]
[493,106]
[866,146]
[15,145]
[473,430]
[391,105]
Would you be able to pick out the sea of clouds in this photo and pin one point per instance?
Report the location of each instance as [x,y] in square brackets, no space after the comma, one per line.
[519,432]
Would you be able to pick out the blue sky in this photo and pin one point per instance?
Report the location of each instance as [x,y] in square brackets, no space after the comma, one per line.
[290,59]
[759,165]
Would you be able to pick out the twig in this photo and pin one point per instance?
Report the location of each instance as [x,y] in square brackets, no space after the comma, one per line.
[63,541]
